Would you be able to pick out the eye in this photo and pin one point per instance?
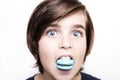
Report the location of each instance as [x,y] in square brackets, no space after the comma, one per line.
[77,34]
[51,33]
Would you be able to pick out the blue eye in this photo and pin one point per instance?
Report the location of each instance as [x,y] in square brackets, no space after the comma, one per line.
[52,33]
[76,34]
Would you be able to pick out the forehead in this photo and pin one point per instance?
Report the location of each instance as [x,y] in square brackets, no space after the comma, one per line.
[72,19]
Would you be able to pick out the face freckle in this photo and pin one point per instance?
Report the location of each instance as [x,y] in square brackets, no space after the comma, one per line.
[66,38]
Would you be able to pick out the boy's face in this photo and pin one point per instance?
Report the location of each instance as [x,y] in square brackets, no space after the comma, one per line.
[64,39]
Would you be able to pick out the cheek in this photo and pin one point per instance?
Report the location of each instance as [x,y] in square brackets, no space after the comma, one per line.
[80,49]
[46,51]
[43,49]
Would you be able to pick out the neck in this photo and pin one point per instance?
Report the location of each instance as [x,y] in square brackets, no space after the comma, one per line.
[45,76]
[77,77]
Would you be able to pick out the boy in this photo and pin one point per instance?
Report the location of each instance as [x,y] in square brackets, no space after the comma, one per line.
[60,36]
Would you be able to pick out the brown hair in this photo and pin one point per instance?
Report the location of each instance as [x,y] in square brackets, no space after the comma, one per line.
[49,11]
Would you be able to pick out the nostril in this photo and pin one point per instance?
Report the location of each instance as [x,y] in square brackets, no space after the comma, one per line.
[65,45]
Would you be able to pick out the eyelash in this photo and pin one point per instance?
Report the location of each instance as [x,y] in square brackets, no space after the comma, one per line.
[50,30]
[81,34]
[78,31]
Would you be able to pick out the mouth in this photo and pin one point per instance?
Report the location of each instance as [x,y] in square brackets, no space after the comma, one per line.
[65,63]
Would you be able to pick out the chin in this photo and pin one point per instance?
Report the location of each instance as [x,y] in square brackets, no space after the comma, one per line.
[64,76]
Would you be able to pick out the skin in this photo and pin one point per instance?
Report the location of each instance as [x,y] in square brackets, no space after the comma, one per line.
[66,37]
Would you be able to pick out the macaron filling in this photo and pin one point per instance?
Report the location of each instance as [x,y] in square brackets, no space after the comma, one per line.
[65,63]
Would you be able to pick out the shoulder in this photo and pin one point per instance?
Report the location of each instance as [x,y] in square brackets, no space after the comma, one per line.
[84,77]
[30,78]
[88,77]
[35,77]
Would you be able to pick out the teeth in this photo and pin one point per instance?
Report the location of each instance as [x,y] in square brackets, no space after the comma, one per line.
[65,58]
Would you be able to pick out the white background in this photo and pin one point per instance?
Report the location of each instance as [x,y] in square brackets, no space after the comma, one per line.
[16,62]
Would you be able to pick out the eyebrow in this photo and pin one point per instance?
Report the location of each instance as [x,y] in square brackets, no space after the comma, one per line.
[79,26]
[74,26]
[53,25]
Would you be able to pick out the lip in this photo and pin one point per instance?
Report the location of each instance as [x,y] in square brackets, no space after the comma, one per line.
[64,65]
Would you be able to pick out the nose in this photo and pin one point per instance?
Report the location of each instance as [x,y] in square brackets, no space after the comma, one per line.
[65,43]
